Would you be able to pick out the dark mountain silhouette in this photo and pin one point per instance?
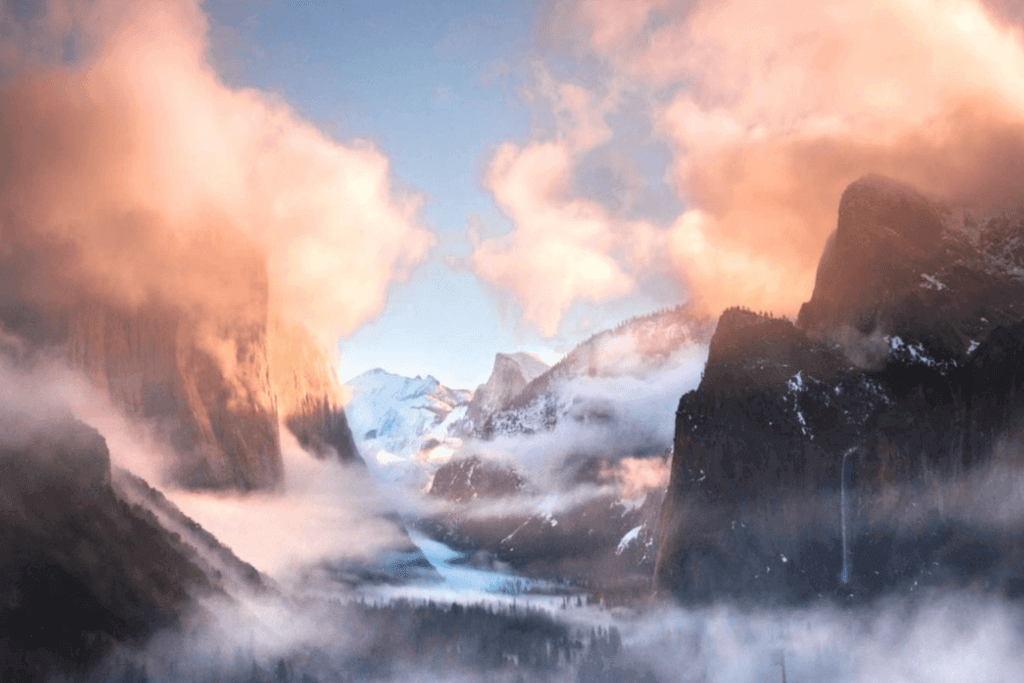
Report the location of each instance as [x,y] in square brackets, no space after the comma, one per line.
[86,565]
[898,382]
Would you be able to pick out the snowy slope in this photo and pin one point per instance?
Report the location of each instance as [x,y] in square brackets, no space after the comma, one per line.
[395,418]
[512,373]
[641,358]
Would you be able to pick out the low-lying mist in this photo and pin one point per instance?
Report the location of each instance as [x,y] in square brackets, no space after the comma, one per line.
[942,638]
[623,424]
[324,511]
[942,630]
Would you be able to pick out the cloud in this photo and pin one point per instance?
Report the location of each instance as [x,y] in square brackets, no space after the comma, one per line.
[563,247]
[323,513]
[772,108]
[637,476]
[560,248]
[141,177]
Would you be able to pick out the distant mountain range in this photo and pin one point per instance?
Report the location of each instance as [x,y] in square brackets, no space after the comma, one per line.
[401,421]
[415,431]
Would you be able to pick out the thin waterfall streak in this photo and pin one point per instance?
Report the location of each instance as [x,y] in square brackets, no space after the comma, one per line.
[842,513]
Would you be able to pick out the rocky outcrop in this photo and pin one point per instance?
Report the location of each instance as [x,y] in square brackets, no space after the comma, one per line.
[603,542]
[511,374]
[901,265]
[465,479]
[903,368]
[208,387]
[215,382]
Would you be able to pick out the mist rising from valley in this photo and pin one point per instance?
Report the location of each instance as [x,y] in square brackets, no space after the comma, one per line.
[831,490]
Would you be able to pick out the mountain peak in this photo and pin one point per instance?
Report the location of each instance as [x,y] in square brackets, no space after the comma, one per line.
[899,264]
[512,373]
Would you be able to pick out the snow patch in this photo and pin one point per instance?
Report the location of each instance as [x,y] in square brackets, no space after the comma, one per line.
[931,282]
[628,538]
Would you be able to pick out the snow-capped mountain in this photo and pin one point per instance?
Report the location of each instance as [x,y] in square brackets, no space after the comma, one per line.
[512,373]
[394,419]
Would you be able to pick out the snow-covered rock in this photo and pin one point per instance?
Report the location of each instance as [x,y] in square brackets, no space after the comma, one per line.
[394,419]
[644,349]
[512,373]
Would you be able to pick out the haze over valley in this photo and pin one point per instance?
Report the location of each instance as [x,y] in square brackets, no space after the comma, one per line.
[575,340]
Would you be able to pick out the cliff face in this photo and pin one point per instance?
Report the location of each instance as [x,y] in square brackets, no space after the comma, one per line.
[208,388]
[510,375]
[215,382]
[309,398]
[903,368]
[899,265]
[465,479]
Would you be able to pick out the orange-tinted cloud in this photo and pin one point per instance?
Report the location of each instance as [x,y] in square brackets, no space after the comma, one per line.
[144,177]
[562,247]
[636,476]
[773,107]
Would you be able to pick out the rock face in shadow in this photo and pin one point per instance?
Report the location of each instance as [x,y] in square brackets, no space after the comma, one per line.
[82,569]
[900,265]
[835,456]
[464,479]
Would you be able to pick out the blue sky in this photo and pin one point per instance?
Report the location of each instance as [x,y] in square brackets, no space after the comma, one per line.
[436,87]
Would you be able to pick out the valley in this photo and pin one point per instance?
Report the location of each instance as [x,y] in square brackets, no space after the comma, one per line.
[570,341]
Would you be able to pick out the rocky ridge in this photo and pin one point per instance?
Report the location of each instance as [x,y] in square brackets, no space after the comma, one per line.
[639,347]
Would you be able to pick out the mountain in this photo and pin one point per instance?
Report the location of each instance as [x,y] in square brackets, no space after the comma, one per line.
[590,536]
[511,374]
[572,427]
[214,381]
[395,418]
[639,348]
[465,479]
[840,455]
[902,265]
[92,559]
[604,542]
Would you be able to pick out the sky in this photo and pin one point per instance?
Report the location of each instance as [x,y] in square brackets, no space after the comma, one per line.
[579,162]
[424,184]
[436,87]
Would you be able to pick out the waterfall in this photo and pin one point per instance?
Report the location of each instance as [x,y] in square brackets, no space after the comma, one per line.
[842,513]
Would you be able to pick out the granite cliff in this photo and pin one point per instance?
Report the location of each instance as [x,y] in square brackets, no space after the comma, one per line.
[839,455]
[215,382]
